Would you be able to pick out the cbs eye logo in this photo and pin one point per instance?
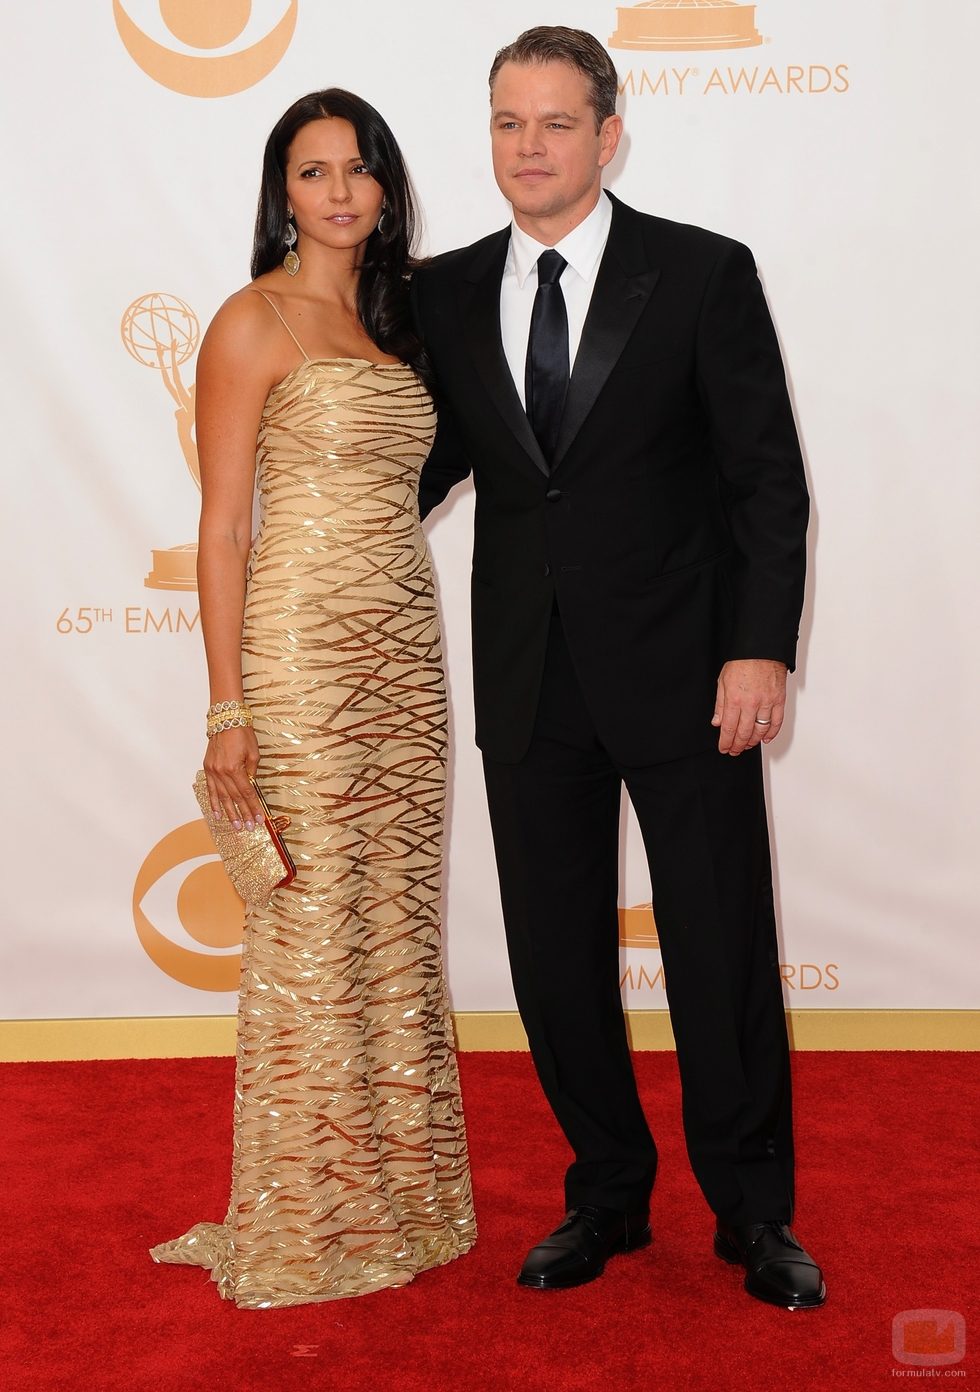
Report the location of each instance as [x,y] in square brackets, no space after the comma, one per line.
[200,27]
[207,908]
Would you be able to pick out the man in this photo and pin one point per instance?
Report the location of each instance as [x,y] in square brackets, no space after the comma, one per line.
[614,382]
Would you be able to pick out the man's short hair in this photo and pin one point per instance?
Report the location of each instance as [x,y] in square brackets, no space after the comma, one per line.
[554,43]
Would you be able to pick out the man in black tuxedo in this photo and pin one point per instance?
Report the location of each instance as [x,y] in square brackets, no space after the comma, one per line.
[614,383]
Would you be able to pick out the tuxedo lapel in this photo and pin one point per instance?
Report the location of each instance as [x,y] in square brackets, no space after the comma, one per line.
[481,328]
[622,289]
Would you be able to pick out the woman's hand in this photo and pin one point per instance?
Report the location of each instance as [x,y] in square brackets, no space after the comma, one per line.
[231,760]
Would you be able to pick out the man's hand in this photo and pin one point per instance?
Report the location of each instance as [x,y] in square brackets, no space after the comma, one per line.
[750,703]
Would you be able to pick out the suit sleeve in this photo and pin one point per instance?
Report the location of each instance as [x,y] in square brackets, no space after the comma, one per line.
[762,479]
[446,463]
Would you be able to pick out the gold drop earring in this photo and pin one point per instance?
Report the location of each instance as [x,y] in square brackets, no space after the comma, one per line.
[290,262]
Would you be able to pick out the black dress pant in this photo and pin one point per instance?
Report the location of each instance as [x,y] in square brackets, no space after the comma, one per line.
[555,818]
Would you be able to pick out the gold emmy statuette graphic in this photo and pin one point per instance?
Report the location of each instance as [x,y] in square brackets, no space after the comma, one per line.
[206,25]
[637,927]
[161,331]
[686,24]
[207,907]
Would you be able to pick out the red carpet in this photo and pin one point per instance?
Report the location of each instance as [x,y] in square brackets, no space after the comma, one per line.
[107,1158]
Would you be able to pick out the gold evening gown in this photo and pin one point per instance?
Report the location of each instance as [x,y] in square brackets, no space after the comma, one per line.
[349,1169]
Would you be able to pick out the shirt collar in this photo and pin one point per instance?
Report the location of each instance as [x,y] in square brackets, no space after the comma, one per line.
[582,247]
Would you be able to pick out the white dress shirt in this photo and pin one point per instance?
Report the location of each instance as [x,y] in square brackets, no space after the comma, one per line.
[582,249]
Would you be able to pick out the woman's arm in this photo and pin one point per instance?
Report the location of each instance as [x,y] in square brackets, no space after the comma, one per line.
[234,375]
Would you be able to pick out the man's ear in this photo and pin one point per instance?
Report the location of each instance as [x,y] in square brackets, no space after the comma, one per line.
[610,134]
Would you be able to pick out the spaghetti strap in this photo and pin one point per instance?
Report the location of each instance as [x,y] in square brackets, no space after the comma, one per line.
[306,356]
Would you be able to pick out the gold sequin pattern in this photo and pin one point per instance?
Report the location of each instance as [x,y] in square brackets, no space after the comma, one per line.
[349,1167]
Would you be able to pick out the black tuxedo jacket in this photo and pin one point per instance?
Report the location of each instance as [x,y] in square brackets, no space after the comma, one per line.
[670,528]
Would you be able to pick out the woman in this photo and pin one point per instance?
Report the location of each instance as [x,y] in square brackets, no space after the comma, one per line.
[350,1168]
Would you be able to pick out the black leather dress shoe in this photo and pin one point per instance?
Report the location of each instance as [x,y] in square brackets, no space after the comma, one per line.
[578,1250]
[777,1268]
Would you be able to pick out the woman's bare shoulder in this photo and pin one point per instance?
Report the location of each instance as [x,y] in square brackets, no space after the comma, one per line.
[243,334]
[247,311]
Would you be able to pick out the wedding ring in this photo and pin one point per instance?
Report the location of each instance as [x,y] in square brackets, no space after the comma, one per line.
[763,722]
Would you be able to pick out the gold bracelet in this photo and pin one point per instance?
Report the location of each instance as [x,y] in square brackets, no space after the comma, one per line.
[220,707]
[227,715]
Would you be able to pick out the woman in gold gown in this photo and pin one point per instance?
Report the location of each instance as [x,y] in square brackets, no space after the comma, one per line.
[349,1169]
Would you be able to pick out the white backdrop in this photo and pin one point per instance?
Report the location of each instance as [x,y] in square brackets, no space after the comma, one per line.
[834,146]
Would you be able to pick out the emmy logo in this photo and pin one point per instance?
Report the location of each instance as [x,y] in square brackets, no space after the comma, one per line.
[686,24]
[161,331]
[637,927]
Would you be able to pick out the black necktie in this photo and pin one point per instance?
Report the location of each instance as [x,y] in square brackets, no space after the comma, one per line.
[546,372]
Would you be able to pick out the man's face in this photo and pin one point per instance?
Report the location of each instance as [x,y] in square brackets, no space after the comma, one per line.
[547,154]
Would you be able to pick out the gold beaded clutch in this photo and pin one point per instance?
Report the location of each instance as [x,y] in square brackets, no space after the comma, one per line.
[256,861]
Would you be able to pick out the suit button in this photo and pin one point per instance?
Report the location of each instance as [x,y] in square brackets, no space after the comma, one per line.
[553,494]
[547,571]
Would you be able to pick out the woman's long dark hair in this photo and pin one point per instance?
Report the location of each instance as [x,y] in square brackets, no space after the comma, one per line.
[382,292]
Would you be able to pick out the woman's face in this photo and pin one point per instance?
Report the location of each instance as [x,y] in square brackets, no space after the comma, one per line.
[336,202]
